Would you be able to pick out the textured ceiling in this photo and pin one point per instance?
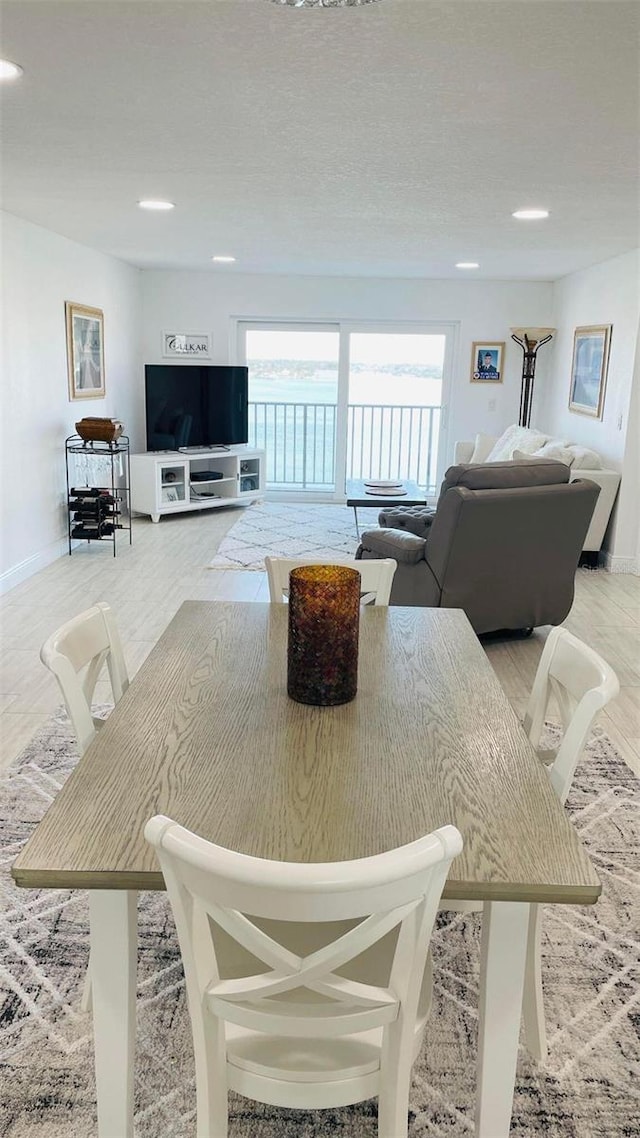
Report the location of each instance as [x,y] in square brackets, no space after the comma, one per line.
[388,139]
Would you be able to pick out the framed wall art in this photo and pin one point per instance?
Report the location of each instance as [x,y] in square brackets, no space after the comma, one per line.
[186,345]
[85,351]
[486,361]
[589,369]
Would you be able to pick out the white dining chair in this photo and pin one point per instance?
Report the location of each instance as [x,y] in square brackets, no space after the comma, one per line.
[377,576]
[76,654]
[307,983]
[582,683]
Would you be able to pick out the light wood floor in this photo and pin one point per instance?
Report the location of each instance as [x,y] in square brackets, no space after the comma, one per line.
[167,564]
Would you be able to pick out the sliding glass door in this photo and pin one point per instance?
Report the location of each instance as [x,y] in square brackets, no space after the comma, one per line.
[293,397]
[394,407]
[334,401]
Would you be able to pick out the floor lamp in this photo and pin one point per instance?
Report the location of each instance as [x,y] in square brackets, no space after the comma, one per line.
[529,339]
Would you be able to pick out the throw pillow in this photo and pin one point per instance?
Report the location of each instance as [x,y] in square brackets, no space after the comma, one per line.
[555,442]
[482,447]
[585,459]
[516,438]
[557,452]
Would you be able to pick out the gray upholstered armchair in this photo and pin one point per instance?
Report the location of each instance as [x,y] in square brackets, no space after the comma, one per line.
[503,544]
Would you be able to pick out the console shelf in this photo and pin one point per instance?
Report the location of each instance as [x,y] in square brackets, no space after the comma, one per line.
[174,482]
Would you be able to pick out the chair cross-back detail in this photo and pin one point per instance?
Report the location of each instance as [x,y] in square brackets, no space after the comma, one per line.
[308,957]
[86,643]
[376,576]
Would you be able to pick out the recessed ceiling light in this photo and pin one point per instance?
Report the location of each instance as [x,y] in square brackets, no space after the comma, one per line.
[467,265]
[151,204]
[530,214]
[9,70]
[223,260]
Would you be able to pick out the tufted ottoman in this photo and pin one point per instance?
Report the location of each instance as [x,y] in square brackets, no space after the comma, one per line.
[413,519]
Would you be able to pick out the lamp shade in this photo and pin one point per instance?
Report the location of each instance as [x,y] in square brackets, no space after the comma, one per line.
[533,335]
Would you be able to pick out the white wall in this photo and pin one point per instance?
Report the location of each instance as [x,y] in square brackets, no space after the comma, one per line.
[607,293]
[206,302]
[627,532]
[40,271]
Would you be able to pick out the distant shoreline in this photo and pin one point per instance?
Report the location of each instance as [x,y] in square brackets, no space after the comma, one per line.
[396,384]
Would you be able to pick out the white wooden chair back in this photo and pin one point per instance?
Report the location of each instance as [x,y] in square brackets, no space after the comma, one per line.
[286,994]
[582,684]
[377,576]
[85,644]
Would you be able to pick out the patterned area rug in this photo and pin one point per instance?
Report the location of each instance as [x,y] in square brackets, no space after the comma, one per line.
[589,1088]
[290,530]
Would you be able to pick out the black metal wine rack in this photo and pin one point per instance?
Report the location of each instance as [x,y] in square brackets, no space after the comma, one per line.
[98,513]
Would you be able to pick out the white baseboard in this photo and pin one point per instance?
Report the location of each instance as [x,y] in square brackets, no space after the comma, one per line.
[24,569]
[621,564]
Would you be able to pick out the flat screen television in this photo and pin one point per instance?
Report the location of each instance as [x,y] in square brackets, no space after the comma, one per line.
[190,405]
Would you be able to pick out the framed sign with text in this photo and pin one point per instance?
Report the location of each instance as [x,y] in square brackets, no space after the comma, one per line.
[186,345]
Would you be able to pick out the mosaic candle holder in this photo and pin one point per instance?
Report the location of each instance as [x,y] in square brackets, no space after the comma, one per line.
[324,618]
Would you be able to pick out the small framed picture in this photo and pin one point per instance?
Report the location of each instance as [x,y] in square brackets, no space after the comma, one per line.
[85,351]
[486,362]
[589,369]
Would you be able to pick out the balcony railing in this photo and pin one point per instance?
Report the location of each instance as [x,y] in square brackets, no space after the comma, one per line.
[383,441]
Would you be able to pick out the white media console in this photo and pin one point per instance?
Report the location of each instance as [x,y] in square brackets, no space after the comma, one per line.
[172,482]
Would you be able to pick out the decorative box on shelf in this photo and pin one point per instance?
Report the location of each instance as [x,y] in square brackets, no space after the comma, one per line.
[94,429]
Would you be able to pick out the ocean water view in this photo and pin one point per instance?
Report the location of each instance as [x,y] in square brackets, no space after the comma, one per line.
[392,386]
[392,428]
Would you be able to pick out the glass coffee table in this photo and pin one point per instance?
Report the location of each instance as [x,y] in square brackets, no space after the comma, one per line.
[359,494]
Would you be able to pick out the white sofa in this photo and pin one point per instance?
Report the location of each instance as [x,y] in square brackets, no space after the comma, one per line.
[528,443]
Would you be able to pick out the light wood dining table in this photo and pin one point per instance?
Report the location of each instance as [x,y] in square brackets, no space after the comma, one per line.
[207,735]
